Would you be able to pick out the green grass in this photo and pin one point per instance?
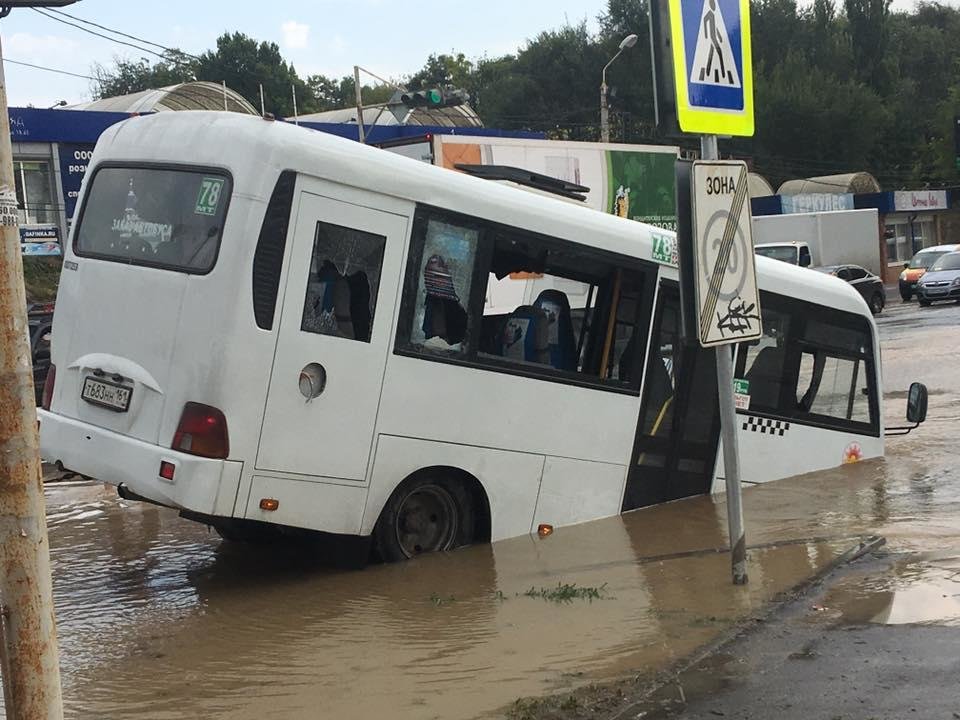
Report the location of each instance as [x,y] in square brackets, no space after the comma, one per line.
[568,592]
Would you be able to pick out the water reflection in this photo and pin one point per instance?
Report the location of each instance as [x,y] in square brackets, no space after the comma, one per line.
[158,619]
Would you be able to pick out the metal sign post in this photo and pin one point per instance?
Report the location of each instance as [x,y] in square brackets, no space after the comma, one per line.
[728,305]
[713,78]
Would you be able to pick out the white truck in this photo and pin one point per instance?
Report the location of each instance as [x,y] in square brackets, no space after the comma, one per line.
[821,238]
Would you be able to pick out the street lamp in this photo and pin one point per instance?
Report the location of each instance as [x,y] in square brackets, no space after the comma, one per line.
[628,42]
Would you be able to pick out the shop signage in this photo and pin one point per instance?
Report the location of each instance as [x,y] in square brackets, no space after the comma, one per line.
[73,166]
[816,202]
[919,200]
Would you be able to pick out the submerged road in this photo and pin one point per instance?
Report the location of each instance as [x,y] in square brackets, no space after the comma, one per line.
[160,620]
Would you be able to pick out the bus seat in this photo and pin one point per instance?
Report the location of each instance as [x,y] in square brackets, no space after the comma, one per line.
[526,335]
[766,377]
[562,344]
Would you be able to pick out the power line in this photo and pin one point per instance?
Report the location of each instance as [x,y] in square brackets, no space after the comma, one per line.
[107,37]
[123,34]
[49,69]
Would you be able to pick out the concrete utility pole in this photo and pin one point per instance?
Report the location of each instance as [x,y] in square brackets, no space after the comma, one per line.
[30,662]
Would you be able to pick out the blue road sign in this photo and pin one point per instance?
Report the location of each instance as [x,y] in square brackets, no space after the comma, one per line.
[713,65]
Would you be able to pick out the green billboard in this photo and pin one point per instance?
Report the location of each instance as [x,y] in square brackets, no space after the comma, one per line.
[641,186]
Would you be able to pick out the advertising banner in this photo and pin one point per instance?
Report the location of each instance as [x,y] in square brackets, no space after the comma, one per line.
[73,168]
[632,181]
[641,186]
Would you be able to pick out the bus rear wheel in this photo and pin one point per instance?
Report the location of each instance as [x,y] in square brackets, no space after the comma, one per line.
[427,513]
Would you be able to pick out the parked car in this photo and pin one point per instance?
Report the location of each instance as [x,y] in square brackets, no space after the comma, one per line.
[863,281]
[918,266]
[941,281]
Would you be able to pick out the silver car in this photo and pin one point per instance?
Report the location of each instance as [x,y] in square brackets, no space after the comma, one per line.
[941,281]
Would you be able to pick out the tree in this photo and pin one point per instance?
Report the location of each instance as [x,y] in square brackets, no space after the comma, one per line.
[442,70]
[239,60]
[867,27]
[245,65]
[130,76]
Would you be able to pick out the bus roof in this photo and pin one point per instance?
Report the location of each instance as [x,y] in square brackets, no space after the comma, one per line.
[214,139]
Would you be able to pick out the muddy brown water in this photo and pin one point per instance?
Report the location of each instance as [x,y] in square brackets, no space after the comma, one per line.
[160,620]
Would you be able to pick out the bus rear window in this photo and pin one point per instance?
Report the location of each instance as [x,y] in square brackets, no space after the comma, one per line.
[154,216]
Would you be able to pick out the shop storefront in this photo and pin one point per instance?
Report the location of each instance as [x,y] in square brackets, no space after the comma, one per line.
[913,224]
[910,220]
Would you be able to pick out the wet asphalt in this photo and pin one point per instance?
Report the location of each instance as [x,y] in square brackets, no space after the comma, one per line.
[874,639]
[159,619]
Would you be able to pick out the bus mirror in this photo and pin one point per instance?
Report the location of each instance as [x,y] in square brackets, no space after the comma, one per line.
[917,403]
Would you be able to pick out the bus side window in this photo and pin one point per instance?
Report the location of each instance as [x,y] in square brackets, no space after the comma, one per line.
[811,365]
[444,282]
[344,278]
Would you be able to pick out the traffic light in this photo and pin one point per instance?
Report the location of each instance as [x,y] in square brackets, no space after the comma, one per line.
[434,98]
[422,98]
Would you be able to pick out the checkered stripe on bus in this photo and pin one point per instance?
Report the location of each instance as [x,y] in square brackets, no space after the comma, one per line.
[766,426]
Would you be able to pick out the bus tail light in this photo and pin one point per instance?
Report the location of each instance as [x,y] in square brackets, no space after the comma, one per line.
[47,397]
[202,431]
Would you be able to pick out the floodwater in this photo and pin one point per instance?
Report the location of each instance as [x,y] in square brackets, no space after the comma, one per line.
[159,620]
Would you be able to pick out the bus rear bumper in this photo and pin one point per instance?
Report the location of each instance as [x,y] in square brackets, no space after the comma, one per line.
[201,485]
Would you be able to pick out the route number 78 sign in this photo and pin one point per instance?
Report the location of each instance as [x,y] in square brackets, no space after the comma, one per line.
[728,301]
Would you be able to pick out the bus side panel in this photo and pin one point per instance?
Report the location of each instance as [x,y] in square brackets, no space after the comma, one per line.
[489,408]
[575,491]
[776,449]
[511,480]
[306,504]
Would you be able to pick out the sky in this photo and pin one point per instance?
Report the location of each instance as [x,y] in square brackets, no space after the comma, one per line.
[329,37]
[388,37]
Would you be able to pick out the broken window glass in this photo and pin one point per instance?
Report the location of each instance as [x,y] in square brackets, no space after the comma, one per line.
[444,283]
[344,279]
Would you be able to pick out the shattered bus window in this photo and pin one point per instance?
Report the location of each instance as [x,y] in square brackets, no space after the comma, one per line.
[445,280]
[344,277]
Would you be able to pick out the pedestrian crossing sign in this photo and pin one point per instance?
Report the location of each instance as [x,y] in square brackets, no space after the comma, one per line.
[712,66]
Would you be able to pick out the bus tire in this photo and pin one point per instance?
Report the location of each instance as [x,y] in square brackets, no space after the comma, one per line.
[876,304]
[429,512]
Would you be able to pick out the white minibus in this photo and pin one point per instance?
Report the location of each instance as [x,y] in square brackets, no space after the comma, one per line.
[274,330]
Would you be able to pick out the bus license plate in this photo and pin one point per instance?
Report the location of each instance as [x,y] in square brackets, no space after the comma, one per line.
[105,394]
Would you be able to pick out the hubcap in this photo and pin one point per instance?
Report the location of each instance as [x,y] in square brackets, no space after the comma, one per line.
[427,521]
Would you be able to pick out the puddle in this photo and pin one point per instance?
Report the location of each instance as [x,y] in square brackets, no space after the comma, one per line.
[158,620]
[920,591]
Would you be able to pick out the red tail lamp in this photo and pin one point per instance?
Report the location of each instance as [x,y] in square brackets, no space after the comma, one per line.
[202,431]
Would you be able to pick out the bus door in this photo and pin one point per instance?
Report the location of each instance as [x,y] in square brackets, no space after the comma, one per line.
[334,338]
[679,429]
